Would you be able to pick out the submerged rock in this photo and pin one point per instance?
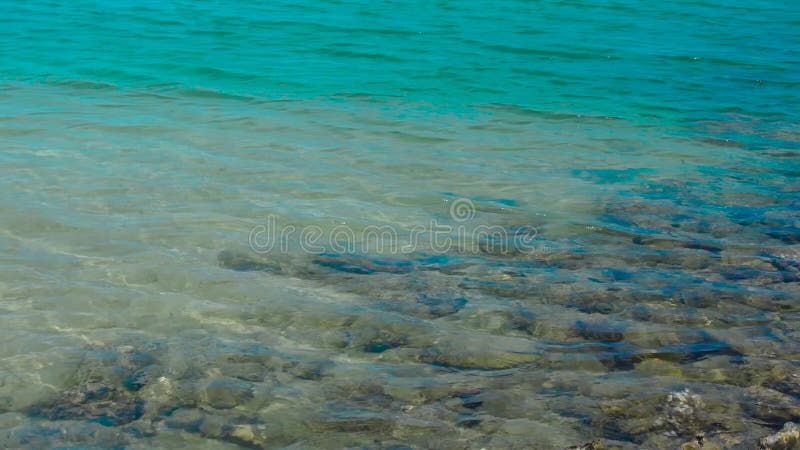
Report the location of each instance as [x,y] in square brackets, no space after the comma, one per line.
[683,412]
[309,370]
[469,421]
[248,435]
[108,383]
[659,368]
[676,414]
[352,420]
[771,407]
[521,320]
[188,419]
[599,330]
[467,359]
[787,262]
[787,438]
[427,307]
[785,383]
[226,393]
[789,235]
[244,262]
[96,402]
[702,245]
[122,366]
[237,429]
[439,307]
[377,340]
[686,352]
[363,265]
[597,300]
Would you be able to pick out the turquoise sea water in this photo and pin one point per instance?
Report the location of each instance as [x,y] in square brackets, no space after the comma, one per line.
[646,155]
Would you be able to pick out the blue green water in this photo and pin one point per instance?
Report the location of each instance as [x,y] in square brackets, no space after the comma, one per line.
[683,60]
[645,156]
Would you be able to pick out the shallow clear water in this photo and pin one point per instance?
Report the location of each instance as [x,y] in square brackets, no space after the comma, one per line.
[648,153]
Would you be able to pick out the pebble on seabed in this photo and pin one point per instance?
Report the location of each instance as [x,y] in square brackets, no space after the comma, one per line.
[226,393]
[788,438]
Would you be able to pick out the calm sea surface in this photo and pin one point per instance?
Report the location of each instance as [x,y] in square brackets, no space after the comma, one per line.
[253,224]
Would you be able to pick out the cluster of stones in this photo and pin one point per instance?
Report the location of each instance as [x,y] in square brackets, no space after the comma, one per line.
[526,350]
